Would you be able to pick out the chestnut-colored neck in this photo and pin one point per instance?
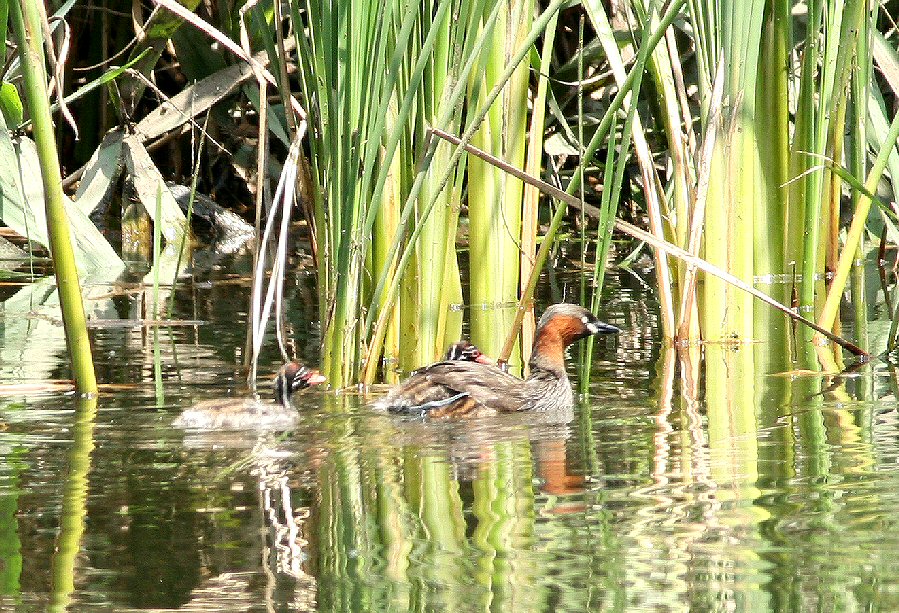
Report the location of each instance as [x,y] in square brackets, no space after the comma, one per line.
[549,349]
[551,341]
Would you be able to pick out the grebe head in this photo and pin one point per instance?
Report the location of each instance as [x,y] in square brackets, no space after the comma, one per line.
[572,322]
[561,325]
[293,377]
[465,351]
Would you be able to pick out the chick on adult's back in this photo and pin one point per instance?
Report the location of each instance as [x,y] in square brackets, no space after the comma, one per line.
[454,387]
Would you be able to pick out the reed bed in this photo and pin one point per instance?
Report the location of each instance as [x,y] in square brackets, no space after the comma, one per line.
[740,128]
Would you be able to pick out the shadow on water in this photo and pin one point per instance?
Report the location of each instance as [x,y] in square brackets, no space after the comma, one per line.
[725,478]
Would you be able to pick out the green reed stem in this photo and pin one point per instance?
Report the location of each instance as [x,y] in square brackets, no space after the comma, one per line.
[26,20]
[854,236]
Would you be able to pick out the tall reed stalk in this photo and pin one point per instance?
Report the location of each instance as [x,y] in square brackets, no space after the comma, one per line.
[494,198]
[431,282]
[26,17]
[530,198]
[736,175]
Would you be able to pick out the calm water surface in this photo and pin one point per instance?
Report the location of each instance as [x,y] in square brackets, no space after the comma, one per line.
[743,488]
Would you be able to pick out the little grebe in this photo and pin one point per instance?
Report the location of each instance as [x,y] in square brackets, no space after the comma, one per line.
[249,413]
[458,387]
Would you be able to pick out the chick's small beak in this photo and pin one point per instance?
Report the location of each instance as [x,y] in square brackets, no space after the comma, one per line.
[315,377]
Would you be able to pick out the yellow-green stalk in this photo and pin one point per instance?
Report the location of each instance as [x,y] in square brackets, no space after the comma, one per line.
[26,20]
[428,286]
[804,201]
[735,179]
[854,235]
[531,195]
[857,157]
[773,132]
[386,225]
[494,198]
